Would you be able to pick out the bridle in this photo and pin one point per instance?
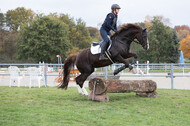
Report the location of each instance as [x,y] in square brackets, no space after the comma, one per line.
[134,41]
[129,40]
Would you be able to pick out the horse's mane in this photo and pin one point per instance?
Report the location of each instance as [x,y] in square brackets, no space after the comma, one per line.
[125,27]
[128,26]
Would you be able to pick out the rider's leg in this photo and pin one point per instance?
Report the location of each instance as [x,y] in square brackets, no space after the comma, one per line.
[103,49]
[104,35]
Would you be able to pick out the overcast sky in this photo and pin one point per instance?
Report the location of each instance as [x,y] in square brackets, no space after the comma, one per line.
[95,11]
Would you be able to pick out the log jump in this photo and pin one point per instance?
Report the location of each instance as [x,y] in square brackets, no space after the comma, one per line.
[100,86]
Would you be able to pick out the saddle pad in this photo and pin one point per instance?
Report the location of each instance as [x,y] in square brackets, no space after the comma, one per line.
[95,49]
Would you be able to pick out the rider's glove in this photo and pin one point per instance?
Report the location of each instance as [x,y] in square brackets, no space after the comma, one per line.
[116,32]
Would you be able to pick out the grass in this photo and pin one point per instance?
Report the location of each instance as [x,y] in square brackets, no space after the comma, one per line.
[52,107]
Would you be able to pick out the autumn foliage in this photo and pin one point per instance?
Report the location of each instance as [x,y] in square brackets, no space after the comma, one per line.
[182,31]
[185,46]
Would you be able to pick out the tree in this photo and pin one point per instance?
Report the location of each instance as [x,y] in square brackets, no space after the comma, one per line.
[8,44]
[94,34]
[79,35]
[182,31]
[2,20]
[149,19]
[73,51]
[162,43]
[174,52]
[185,46]
[15,18]
[43,39]
[67,20]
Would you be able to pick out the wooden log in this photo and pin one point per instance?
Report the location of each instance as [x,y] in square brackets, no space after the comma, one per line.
[100,98]
[144,88]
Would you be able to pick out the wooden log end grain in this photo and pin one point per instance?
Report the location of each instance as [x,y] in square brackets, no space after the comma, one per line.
[98,85]
[99,98]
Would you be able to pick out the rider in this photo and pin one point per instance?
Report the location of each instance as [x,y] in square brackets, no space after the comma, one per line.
[110,23]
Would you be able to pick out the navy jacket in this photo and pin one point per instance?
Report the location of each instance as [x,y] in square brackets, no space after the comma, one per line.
[110,23]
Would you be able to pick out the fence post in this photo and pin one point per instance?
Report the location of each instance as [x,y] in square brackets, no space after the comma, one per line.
[106,72]
[147,68]
[172,77]
[45,74]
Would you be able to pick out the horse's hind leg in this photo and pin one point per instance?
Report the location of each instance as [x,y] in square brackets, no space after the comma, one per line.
[80,81]
[79,86]
[82,90]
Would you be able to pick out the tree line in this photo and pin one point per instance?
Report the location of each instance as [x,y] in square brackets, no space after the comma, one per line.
[29,37]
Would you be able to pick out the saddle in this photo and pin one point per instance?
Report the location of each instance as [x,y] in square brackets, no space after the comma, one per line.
[97,43]
[96,47]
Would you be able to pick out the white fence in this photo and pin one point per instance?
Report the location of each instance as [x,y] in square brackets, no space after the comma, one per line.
[50,71]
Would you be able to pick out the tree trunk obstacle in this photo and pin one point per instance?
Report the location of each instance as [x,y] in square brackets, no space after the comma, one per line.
[100,86]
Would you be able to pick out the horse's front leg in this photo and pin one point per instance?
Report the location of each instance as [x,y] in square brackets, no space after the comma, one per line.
[135,57]
[120,59]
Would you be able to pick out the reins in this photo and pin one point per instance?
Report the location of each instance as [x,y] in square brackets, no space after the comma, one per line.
[128,39]
[136,41]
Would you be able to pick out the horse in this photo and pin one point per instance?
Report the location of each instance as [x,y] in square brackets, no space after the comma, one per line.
[86,62]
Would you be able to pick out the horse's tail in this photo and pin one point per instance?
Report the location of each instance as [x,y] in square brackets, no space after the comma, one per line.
[68,64]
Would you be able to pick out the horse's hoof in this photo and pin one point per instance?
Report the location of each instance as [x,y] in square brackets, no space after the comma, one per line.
[130,67]
[86,94]
[115,73]
[81,94]
[134,61]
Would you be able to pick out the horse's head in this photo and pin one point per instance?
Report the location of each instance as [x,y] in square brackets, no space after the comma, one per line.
[133,31]
[142,37]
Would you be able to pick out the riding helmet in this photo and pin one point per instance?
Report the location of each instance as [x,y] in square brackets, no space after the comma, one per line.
[115,6]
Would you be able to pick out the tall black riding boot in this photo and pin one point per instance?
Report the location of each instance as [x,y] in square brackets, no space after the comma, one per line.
[103,49]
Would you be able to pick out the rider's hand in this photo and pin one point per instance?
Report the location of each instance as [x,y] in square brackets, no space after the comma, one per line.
[116,32]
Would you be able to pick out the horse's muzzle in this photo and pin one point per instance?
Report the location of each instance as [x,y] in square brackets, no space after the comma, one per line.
[145,47]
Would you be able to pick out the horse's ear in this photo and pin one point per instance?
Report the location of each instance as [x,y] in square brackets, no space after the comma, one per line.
[144,29]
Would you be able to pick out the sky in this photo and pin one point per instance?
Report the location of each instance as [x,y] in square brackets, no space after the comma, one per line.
[93,12]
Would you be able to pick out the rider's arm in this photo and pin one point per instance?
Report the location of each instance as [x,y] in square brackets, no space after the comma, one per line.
[109,33]
[109,20]
[115,27]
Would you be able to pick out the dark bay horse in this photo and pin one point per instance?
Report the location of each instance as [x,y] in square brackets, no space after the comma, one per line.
[121,41]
